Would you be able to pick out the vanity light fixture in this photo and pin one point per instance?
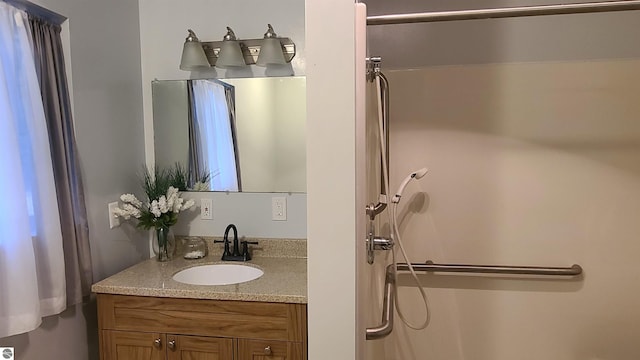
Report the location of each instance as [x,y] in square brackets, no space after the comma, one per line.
[230,54]
[234,52]
[193,56]
[271,51]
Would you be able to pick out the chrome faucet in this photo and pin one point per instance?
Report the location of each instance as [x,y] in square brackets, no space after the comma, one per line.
[228,255]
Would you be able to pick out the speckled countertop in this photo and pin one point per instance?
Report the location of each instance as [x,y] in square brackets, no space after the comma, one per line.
[284,279]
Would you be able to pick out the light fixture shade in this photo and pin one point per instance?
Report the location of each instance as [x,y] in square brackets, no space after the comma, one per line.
[193,57]
[230,55]
[270,53]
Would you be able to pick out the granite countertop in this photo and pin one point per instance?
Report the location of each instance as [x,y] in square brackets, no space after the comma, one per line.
[284,279]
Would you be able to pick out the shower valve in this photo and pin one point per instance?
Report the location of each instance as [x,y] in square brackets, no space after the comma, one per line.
[377,243]
[382,243]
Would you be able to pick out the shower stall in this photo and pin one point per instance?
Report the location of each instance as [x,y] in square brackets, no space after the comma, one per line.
[527,118]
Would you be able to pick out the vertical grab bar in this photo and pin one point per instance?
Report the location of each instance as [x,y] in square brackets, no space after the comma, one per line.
[385,328]
[374,72]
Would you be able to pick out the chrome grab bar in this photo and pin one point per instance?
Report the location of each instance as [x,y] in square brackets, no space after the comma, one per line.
[476,14]
[385,328]
[573,270]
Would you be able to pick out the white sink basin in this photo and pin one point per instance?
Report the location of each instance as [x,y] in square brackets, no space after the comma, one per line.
[217,274]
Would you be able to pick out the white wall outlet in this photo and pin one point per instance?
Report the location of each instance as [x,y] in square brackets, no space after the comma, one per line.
[279,208]
[113,221]
[206,212]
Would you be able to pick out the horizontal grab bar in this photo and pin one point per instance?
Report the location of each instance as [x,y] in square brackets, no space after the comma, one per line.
[506,12]
[385,328]
[573,270]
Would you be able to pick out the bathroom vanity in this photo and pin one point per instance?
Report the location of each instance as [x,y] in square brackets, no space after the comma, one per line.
[144,314]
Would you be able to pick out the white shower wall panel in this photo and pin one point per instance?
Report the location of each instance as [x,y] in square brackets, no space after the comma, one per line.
[530,164]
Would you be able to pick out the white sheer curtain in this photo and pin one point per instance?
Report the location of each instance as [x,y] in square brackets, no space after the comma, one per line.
[213,128]
[32,280]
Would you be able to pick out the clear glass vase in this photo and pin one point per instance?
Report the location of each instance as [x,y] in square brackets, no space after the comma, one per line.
[164,243]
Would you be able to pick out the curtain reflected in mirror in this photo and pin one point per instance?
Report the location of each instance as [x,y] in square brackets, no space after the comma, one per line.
[213,160]
[244,134]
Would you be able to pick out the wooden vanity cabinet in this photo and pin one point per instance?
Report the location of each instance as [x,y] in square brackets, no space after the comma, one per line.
[151,328]
[131,345]
[199,348]
[268,350]
[122,345]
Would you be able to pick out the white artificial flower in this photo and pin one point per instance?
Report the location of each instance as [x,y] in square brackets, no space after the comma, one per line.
[171,191]
[131,199]
[118,212]
[132,210]
[172,195]
[201,186]
[155,210]
[188,204]
[177,205]
[162,204]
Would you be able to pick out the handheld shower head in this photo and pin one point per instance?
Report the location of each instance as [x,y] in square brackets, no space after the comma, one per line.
[418,174]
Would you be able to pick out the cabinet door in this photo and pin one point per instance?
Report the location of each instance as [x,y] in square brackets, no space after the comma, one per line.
[269,350]
[180,347]
[130,345]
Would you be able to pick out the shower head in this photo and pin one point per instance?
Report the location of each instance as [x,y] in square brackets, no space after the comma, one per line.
[418,174]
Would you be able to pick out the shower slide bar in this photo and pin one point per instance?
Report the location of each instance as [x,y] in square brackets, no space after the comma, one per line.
[496,13]
[386,326]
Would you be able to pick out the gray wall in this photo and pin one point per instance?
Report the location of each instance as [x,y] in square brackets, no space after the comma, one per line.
[107,94]
[105,50]
[163,27]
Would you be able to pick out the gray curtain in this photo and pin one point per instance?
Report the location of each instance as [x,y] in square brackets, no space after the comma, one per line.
[229,93]
[47,46]
[195,152]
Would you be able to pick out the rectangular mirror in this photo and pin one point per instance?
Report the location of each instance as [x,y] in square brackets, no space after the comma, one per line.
[247,134]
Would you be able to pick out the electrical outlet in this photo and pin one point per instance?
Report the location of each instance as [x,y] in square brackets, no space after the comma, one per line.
[113,221]
[279,208]
[206,213]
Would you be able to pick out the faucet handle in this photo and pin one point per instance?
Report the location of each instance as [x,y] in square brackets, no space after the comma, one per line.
[245,249]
